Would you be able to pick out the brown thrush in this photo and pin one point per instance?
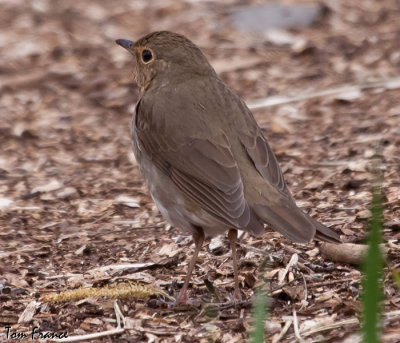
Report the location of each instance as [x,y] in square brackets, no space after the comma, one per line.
[205,160]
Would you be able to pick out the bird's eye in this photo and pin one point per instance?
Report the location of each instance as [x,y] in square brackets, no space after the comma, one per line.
[147,56]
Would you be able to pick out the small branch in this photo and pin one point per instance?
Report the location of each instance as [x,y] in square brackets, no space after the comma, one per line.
[391,83]
[304,302]
[118,330]
[346,252]
[293,261]
[276,339]
[335,325]
[296,327]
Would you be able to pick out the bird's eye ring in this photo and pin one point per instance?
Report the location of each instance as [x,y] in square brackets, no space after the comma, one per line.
[147,56]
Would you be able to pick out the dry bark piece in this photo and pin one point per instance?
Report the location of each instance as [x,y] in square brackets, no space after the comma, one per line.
[364,214]
[393,224]
[29,312]
[346,253]
[5,202]
[294,292]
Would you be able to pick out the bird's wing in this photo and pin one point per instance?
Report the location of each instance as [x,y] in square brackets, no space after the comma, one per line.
[274,203]
[264,159]
[200,163]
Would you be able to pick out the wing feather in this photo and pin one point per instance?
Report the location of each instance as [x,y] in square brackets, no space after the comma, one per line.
[202,168]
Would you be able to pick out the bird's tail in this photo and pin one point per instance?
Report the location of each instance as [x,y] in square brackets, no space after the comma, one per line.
[325,234]
[294,224]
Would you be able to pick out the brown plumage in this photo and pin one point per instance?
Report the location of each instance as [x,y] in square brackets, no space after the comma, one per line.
[205,160]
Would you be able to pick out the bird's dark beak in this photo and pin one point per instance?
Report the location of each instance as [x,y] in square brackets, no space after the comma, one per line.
[125,43]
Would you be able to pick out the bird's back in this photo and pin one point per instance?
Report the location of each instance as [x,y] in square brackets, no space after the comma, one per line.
[265,189]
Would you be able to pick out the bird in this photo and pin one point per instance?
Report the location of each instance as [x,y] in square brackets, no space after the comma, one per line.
[204,158]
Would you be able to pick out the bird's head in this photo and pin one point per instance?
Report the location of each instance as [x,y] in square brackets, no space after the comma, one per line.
[165,56]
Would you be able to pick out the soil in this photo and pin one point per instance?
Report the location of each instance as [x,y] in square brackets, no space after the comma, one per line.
[74,212]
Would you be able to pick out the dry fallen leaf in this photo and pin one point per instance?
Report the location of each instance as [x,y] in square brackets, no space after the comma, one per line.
[168,250]
[127,201]
[50,186]
[5,202]
[29,312]
[15,280]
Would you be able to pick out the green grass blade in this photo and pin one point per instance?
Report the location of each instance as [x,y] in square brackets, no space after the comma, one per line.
[260,304]
[259,316]
[396,277]
[372,268]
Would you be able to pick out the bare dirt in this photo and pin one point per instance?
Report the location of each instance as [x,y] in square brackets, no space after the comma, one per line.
[72,200]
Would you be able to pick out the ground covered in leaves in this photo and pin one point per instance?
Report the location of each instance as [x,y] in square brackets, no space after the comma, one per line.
[73,208]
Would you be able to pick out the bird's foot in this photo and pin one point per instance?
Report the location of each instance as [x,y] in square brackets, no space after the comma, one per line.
[183,302]
[237,296]
[182,297]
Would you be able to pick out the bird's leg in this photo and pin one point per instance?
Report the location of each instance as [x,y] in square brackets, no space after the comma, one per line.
[198,238]
[232,236]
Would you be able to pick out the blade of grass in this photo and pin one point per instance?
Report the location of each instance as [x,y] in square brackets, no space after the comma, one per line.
[260,303]
[396,276]
[372,268]
[259,316]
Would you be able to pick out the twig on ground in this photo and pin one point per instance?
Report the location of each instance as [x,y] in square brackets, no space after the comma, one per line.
[120,328]
[296,327]
[277,338]
[293,261]
[389,83]
[304,302]
[346,252]
[326,327]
